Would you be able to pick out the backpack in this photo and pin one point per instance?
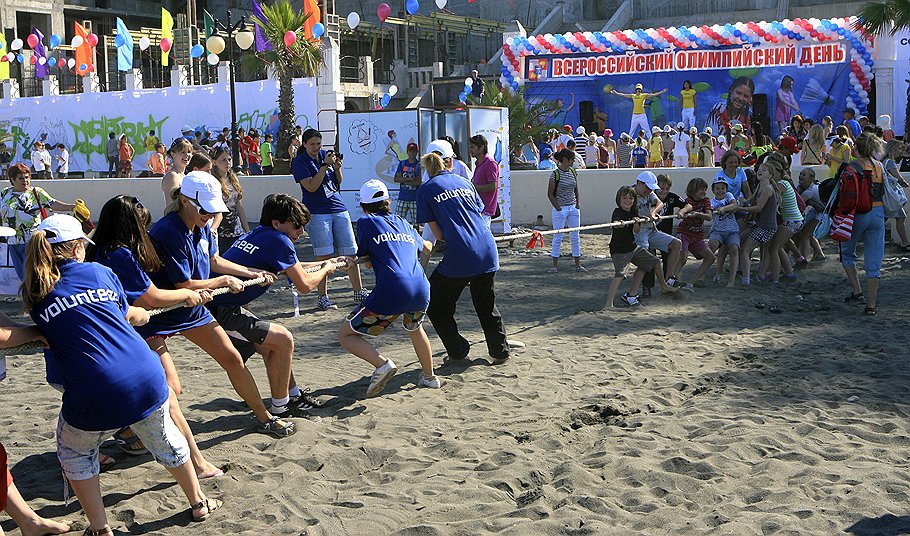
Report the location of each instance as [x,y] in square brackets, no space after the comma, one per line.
[557,174]
[855,189]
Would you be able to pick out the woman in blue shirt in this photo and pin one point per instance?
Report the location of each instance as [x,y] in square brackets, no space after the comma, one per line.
[319,174]
[401,289]
[451,207]
[110,376]
[123,245]
[188,252]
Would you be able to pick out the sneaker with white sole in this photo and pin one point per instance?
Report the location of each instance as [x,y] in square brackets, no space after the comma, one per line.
[430,382]
[631,301]
[688,287]
[580,268]
[672,281]
[381,376]
[553,270]
[324,303]
[361,295]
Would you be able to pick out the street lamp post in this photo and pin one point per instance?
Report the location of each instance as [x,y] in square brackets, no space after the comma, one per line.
[244,40]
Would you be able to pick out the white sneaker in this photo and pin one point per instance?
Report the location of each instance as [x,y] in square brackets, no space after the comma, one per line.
[553,270]
[381,376]
[580,268]
[430,382]
[324,303]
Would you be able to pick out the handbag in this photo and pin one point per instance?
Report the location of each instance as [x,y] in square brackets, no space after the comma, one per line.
[893,198]
[842,226]
[823,228]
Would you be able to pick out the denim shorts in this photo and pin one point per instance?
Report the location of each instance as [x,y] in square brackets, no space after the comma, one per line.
[331,233]
[793,225]
[725,238]
[77,449]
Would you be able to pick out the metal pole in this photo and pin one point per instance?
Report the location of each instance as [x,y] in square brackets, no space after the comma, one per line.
[235,147]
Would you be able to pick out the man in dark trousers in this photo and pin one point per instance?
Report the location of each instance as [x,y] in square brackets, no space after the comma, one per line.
[476,85]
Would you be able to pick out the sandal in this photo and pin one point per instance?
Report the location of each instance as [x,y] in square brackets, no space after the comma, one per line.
[277,427]
[869,311]
[105,461]
[854,298]
[210,506]
[130,444]
[99,532]
[305,399]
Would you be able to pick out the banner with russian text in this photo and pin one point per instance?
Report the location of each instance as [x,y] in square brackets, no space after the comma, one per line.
[809,79]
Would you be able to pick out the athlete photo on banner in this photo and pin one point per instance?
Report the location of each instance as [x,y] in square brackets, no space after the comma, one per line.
[718,88]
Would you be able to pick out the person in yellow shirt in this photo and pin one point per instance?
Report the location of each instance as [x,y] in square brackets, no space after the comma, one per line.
[688,103]
[151,142]
[655,148]
[839,154]
[639,118]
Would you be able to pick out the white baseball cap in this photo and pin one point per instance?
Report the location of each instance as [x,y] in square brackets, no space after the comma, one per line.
[650,179]
[580,129]
[204,190]
[61,228]
[655,129]
[372,191]
[442,147]
[679,125]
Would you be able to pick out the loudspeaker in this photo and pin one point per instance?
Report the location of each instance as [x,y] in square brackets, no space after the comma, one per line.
[585,112]
[760,104]
[592,126]
[765,121]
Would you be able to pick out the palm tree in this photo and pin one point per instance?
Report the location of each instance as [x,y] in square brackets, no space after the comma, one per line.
[524,120]
[876,16]
[304,58]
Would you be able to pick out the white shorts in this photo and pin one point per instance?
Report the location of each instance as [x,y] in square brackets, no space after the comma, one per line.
[428,235]
[680,159]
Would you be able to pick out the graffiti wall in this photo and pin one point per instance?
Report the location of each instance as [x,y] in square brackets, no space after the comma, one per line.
[82,122]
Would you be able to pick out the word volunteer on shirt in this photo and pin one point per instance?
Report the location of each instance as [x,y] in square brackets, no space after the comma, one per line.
[61,304]
[447,195]
[394,237]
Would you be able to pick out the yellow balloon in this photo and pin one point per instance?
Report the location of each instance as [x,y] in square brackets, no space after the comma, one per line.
[215,44]
[244,39]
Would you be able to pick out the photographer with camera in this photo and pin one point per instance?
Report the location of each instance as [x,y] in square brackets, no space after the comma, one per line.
[319,174]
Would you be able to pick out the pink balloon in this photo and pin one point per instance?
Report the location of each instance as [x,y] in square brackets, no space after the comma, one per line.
[92,40]
[383,11]
[165,44]
[33,60]
[32,40]
[290,38]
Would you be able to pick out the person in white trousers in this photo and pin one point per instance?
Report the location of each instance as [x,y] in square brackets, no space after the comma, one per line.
[562,191]
[639,117]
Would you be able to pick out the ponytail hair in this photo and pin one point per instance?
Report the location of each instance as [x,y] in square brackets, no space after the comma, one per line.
[41,270]
[434,164]
[174,205]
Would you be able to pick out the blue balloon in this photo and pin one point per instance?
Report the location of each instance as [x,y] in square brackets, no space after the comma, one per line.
[51,61]
[462,97]
[197,51]
[83,67]
[412,6]
[119,41]
[1,45]
[386,99]
[21,58]
[467,89]
[318,30]
[55,41]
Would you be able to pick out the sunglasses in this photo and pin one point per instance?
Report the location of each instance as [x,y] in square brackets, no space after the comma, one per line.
[134,200]
[199,209]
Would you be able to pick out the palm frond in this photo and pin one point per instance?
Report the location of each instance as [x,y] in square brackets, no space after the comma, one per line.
[900,10]
[525,121]
[874,17]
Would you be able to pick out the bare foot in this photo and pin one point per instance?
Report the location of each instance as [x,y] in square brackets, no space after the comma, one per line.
[206,470]
[730,284]
[39,526]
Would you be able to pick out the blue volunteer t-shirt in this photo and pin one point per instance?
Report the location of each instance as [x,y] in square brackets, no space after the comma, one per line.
[263,248]
[121,261]
[110,376]
[394,247]
[185,254]
[408,170]
[640,156]
[454,204]
[326,199]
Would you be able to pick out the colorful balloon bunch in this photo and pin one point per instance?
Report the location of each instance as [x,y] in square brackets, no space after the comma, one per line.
[719,35]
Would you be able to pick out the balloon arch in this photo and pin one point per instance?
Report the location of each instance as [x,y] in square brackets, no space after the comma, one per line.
[718,36]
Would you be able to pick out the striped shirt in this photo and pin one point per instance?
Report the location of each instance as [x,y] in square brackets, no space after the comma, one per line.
[565,187]
[581,144]
[624,155]
[789,208]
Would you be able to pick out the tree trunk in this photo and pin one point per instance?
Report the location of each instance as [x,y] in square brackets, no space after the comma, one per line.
[286,112]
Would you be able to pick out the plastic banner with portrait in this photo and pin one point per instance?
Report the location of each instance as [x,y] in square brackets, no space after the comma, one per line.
[730,86]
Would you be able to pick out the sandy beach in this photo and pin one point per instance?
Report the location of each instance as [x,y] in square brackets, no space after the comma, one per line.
[696,414]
